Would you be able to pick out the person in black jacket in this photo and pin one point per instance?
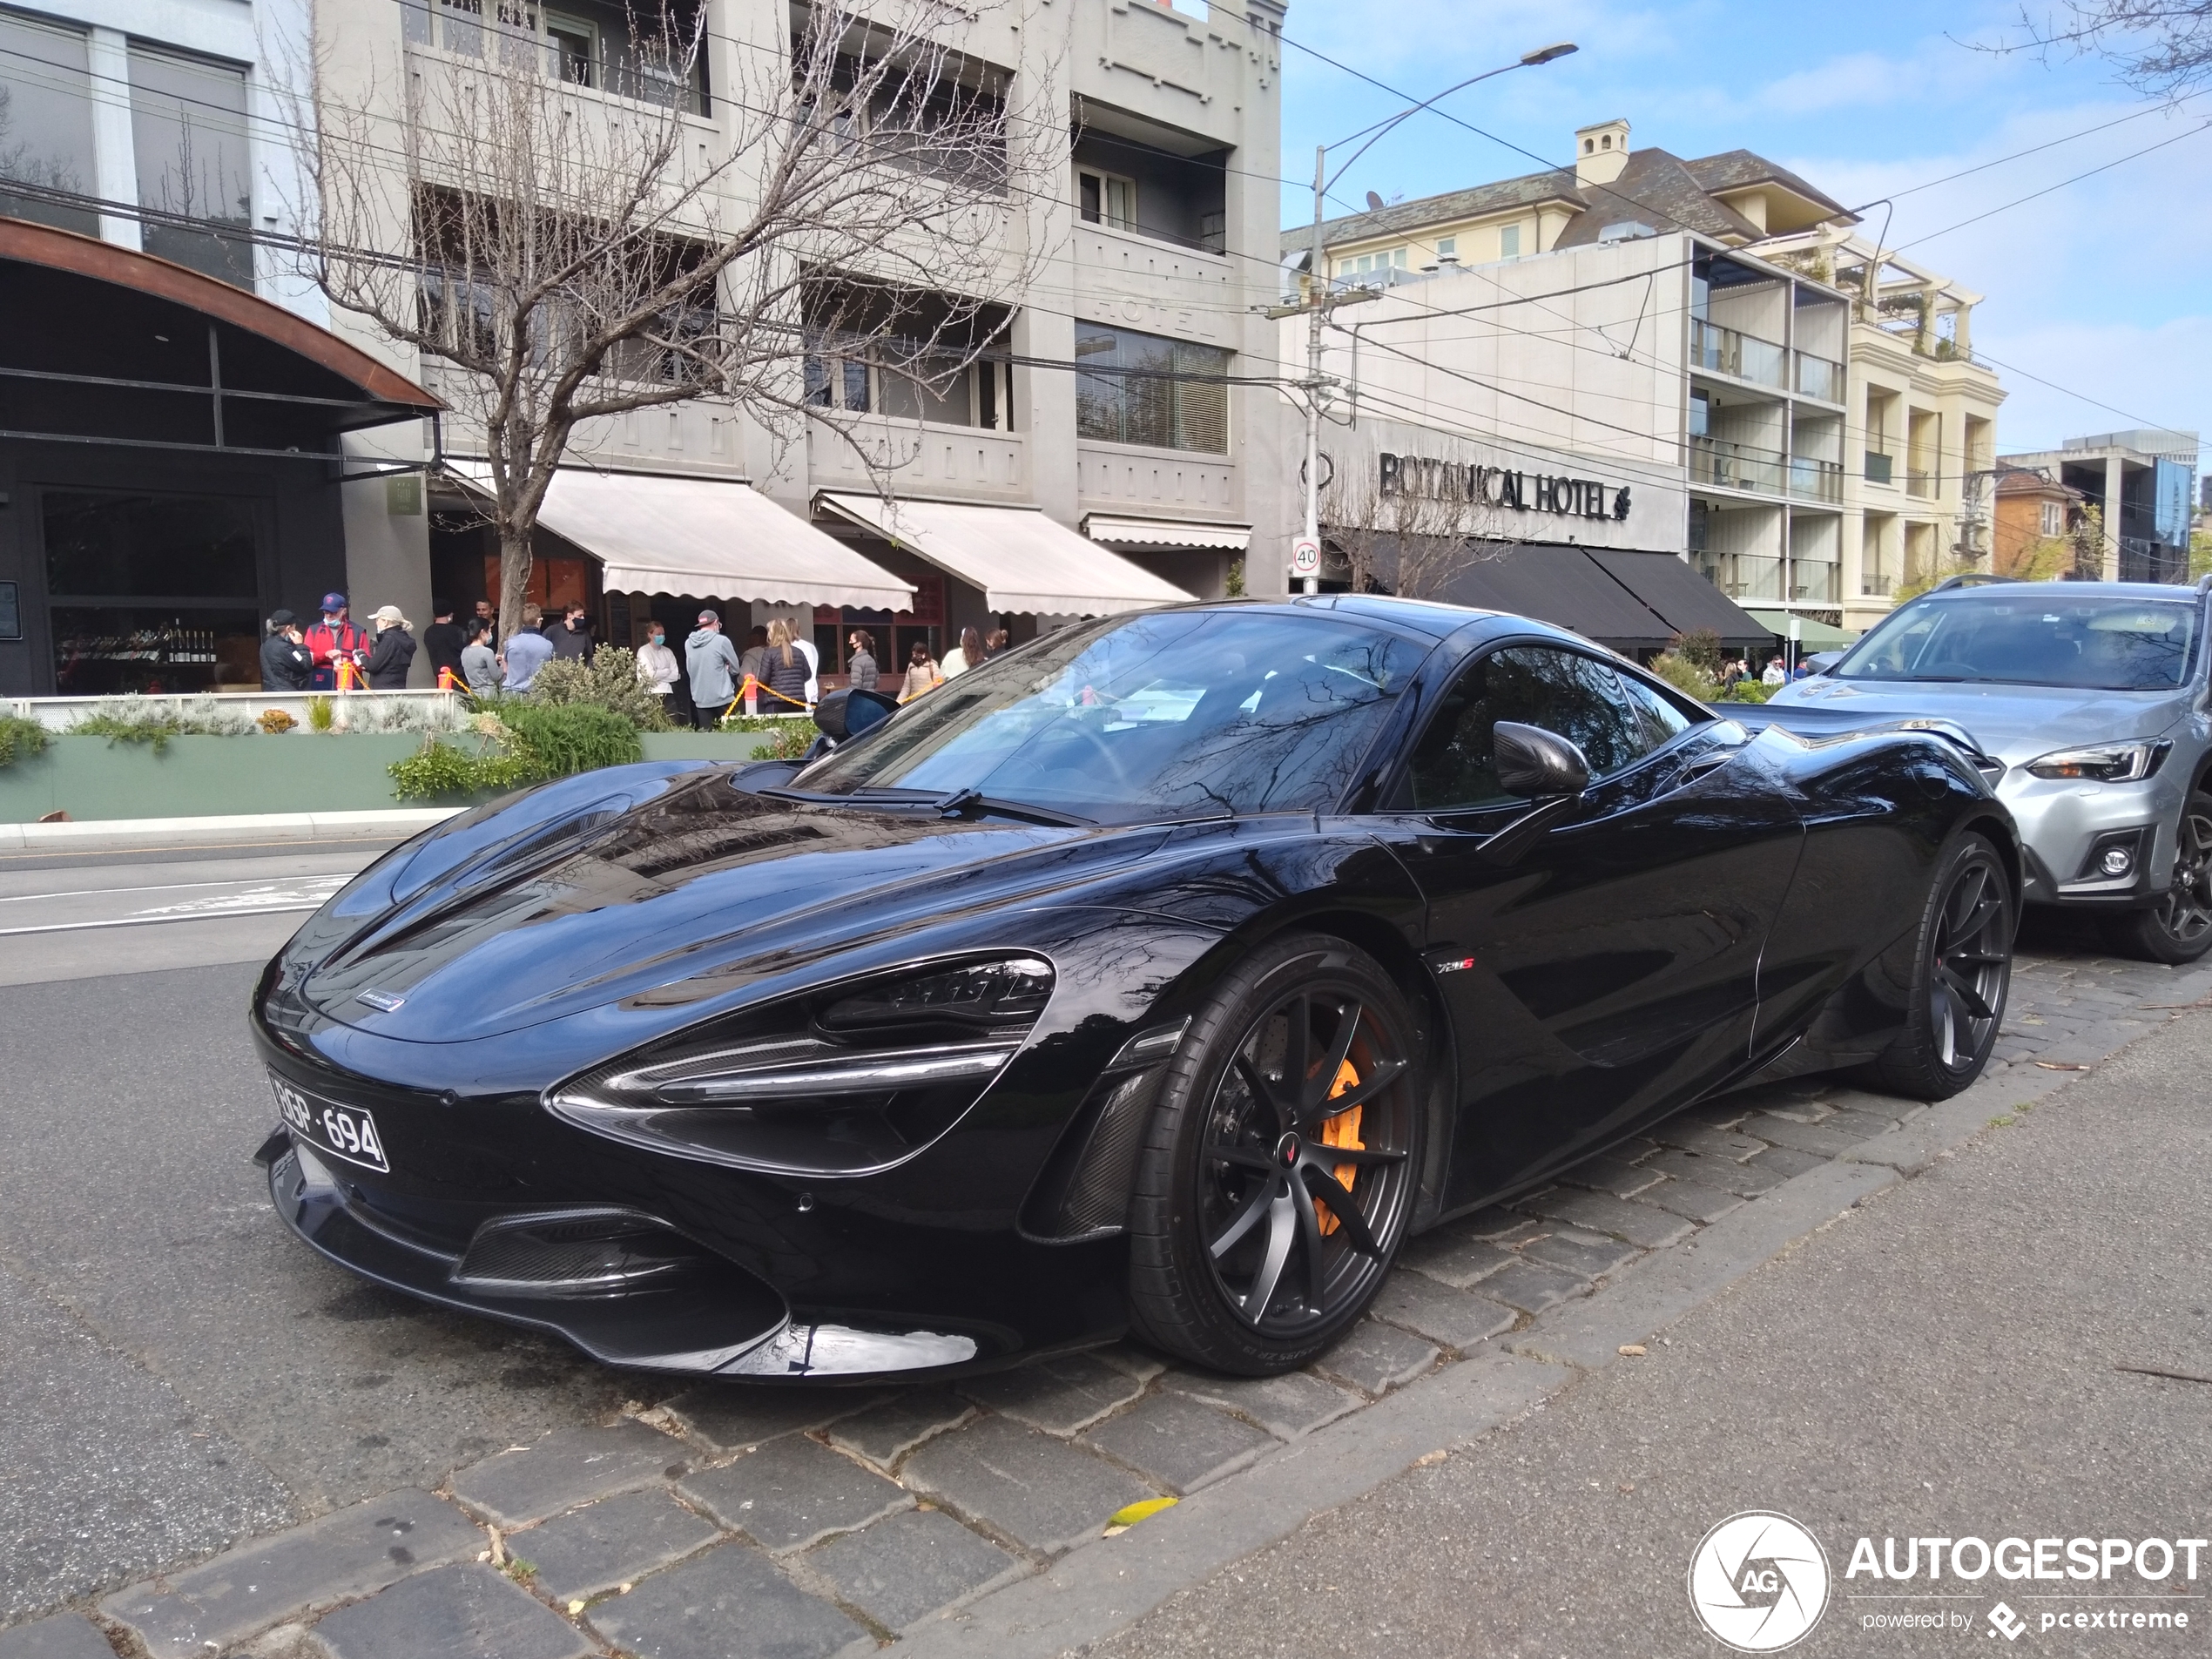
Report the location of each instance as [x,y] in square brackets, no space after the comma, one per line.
[394,652]
[445,642]
[285,665]
[571,636]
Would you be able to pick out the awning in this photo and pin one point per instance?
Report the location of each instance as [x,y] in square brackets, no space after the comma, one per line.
[1813,633]
[1558,585]
[1166,532]
[1680,595]
[714,538]
[1023,561]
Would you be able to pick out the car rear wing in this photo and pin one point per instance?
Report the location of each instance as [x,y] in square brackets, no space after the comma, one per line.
[1815,726]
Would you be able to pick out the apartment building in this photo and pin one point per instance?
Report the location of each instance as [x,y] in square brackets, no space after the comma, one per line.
[1102,454]
[2138,484]
[1833,432]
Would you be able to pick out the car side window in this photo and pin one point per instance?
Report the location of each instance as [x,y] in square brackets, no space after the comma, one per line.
[1662,721]
[1579,697]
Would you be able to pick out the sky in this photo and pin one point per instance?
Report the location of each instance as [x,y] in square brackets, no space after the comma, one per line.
[2097,313]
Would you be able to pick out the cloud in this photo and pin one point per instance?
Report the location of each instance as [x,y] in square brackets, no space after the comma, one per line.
[2146,376]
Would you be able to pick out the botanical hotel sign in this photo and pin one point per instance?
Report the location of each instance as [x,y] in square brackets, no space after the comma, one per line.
[1471,484]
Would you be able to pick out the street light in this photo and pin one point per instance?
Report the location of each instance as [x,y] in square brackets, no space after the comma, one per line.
[1320,296]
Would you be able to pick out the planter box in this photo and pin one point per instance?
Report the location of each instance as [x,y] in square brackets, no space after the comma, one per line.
[92,778]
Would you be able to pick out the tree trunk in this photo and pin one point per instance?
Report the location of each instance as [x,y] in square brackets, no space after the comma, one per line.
[514,580]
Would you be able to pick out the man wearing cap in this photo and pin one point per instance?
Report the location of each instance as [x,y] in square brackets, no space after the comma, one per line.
[393,653]
[713,661]
[333,638]
[285,665]
[444,642]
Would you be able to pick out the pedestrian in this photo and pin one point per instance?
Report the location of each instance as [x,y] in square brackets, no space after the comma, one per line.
[753,662]
[922,672]
[786,667]
[808,649]
[479,662]
[964,656]
[444,641]
[994,643]
[285,665]
[333,640]
[527,652]
[657,668]
[1774,675]
[485,614]
[571,636]
[393,654]
[713,661]
[860,661]
[1731,675]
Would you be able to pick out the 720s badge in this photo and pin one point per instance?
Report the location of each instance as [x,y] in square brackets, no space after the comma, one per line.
[346,1132]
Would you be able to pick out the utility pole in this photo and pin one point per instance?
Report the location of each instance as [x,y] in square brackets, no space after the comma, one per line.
[1321,298]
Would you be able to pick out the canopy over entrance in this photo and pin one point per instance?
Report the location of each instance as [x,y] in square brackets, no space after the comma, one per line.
[1021,560]
[708,537]
[1117,531]
[1812,633]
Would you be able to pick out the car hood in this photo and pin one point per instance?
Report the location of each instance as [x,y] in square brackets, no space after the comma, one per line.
[2014,723]
[617,904]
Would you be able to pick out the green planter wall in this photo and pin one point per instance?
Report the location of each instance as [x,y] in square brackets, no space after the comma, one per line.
[92,778]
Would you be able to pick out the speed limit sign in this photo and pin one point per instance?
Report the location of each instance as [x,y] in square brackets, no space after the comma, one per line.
[1306,556]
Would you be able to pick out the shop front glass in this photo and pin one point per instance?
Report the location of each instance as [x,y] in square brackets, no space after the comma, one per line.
[151,593]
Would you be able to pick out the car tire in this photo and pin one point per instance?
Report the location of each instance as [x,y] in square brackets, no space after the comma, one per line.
[2178,928]
[1255,1124]
[1962,972]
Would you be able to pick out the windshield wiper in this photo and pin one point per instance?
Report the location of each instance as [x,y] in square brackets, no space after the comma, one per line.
[858,797]
[965,799]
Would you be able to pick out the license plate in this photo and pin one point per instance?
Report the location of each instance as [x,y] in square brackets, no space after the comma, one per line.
[346,1132]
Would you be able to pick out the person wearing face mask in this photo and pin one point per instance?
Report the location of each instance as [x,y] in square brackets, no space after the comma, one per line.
[657,668]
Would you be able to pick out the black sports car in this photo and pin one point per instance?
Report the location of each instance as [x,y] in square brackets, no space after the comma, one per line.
[1165,974]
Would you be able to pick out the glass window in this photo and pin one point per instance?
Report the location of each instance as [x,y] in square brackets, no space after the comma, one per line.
[1448,247]
[1106,198]
[1577,697]
[188,132]
[1162,714]
[1146,388]
[2032,639]
[1509,242]
[45,121]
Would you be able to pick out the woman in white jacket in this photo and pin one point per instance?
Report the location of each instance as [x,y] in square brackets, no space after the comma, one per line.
[657,668]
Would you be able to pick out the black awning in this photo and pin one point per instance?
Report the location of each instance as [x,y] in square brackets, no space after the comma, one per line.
[1560,584]
[1682,597]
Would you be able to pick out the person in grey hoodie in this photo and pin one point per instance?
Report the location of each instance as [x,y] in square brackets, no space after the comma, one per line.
[713,661]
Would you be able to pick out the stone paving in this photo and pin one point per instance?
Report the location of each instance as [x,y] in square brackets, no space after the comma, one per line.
[734,1521]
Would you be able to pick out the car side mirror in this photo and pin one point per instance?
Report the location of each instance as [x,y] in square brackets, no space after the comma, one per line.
[851,711]
[1537,765]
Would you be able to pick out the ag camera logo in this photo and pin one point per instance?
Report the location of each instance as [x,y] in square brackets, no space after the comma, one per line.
[1758,1581]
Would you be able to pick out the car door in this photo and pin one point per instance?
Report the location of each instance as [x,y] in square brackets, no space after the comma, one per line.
[1608,972]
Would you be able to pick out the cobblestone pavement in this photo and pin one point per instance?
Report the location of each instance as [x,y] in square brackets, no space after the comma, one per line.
[734,1521]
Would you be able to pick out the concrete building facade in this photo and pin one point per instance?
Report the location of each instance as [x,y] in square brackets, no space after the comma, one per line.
[2140,484]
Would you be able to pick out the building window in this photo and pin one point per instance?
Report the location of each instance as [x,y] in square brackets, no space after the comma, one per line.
[576,48]
[1144,389]
[1509,242]
[907,380]
[188,133]
[1398,257]
[1448,247]
[1106,198]
[2053,518]
[45,123]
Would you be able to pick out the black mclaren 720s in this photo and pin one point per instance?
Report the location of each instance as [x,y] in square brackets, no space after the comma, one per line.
[1163,975]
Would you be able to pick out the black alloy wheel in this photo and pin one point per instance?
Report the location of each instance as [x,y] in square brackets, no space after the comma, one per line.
[2178,927]
[1963,971]
[1278,1176]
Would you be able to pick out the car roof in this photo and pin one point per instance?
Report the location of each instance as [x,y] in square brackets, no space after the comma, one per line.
[1432,619]
[2137,591]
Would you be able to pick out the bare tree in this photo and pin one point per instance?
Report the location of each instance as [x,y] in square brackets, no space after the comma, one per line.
[2160,47]
[535,214]
[1414,538]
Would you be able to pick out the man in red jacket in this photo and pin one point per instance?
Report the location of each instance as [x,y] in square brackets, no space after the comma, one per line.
[332,638]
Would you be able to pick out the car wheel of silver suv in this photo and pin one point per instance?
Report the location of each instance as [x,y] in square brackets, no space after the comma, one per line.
[2178,928]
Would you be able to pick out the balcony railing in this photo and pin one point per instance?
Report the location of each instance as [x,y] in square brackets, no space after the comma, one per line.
[1816,479]
[1920,485]
[1878,467]
[1736,466]
[1818,377]
[1723,351]
[1876,584]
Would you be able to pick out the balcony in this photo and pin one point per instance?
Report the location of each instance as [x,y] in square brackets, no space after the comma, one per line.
[1920,485]
[1736,466]
[1819,377]
[1723,351]
[1812,480]
[1878,467]
[1876,584]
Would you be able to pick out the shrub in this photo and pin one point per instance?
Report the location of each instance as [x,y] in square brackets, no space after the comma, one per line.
[275,722]
[320,715]
[440,771]
[1702,647]
[523,743]
[608,679]
[1684,675]
[20,737]
[155,720]
[792,739]
[1749,690]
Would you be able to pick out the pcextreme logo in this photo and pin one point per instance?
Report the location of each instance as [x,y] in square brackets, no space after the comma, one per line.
[1758,1581]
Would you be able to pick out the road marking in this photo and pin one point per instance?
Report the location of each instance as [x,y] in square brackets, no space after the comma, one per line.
[147,922]
[176,886]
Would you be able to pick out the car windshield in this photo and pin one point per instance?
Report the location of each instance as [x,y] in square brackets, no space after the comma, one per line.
[2034,637]
[1163,714]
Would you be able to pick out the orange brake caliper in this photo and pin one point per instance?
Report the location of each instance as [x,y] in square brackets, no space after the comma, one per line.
[1343,1129]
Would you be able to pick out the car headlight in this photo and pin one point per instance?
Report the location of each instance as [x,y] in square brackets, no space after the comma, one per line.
[839,1082]
[2105,763]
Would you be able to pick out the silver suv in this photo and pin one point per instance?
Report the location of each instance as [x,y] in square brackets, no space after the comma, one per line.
[2095,696]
